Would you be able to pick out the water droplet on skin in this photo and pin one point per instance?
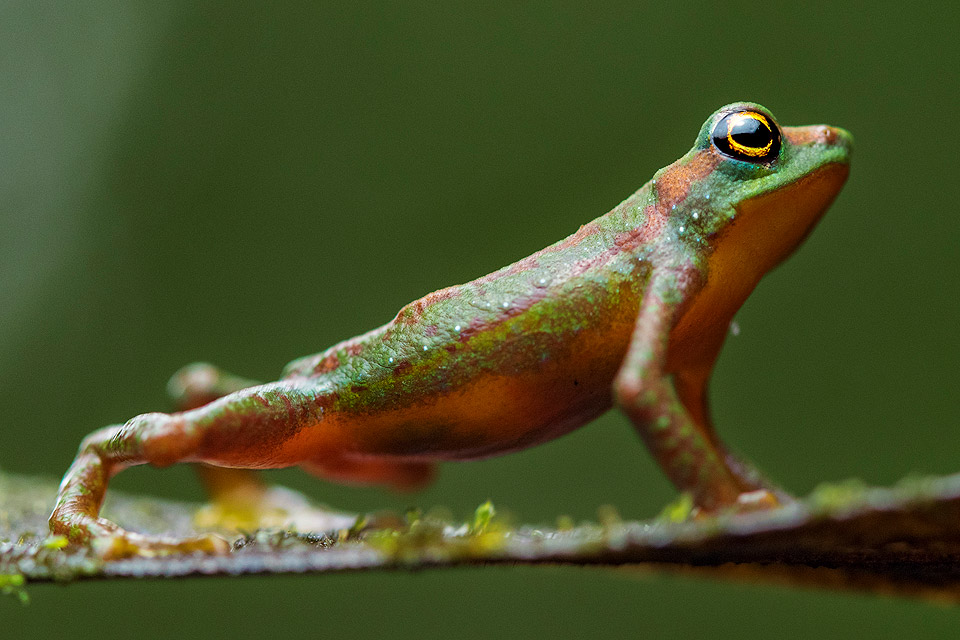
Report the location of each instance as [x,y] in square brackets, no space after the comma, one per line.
[708,196]
[672,207]
[390,359]
[424,347]
[681,228]
[696,216]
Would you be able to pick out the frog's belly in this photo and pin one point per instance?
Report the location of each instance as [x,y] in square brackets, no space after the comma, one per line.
[493,415]
[492,412]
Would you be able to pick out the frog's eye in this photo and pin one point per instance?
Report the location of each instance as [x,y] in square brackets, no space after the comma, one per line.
[747,135]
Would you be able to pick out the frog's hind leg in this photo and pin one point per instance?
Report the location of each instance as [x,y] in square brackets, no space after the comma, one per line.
[149,438]
[200,383]
[239,498]
[249,428]
[400,475]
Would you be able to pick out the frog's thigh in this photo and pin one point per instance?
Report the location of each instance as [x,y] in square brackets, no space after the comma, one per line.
[239,499]
[397,474]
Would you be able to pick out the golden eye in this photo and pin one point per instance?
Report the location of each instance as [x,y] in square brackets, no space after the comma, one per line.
[747,135]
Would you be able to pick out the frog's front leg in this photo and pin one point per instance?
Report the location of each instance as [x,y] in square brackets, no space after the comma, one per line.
[248,428]
[668,409]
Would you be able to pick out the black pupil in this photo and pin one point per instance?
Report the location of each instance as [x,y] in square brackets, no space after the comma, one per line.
[750,133]
[743,136]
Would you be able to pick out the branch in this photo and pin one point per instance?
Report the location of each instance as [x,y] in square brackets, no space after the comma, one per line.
[902,540]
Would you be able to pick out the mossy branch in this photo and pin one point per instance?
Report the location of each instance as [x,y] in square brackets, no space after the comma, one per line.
[903,540]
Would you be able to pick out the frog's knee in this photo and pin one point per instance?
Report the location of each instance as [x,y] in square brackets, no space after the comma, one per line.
[162,439]
[193,382]
[200,383]
[98,442]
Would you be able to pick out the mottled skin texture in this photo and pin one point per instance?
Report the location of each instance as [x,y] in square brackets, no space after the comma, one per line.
[631,310]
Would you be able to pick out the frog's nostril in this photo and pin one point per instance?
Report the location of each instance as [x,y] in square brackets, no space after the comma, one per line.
[827,134]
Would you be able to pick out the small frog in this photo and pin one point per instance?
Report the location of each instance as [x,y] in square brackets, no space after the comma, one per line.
[631,310]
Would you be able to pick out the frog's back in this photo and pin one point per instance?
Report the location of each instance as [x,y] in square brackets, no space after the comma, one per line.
[499,363]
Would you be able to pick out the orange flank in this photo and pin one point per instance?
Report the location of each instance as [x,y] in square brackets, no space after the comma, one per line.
[491,414]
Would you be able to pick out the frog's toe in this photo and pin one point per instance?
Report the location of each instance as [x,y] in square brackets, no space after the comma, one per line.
[757,500]
[684,507]
[761,500]
[125,544]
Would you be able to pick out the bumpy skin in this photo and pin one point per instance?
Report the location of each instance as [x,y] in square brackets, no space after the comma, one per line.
[632,309]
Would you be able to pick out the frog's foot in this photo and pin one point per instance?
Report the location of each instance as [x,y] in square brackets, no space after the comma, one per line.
[761,499]
[108,541]
[684,508]
[121,544]
[273,507]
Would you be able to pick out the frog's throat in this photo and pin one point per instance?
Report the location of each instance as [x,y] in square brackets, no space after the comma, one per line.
[769,227]
[765,230]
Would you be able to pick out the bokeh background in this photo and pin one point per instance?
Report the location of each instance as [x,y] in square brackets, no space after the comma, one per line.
[247,182]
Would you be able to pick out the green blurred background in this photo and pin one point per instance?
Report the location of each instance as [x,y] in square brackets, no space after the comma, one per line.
[245,183]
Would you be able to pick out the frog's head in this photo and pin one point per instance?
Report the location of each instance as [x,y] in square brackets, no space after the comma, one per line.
[753,188]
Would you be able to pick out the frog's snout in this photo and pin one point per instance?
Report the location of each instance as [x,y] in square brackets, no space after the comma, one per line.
[821,134]
[838,139]
[833,136]
[825,134]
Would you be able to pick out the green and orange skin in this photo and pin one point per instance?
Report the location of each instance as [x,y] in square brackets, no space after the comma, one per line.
[631,310]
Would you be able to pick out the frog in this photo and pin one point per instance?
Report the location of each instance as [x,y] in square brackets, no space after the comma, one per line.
[630,311]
